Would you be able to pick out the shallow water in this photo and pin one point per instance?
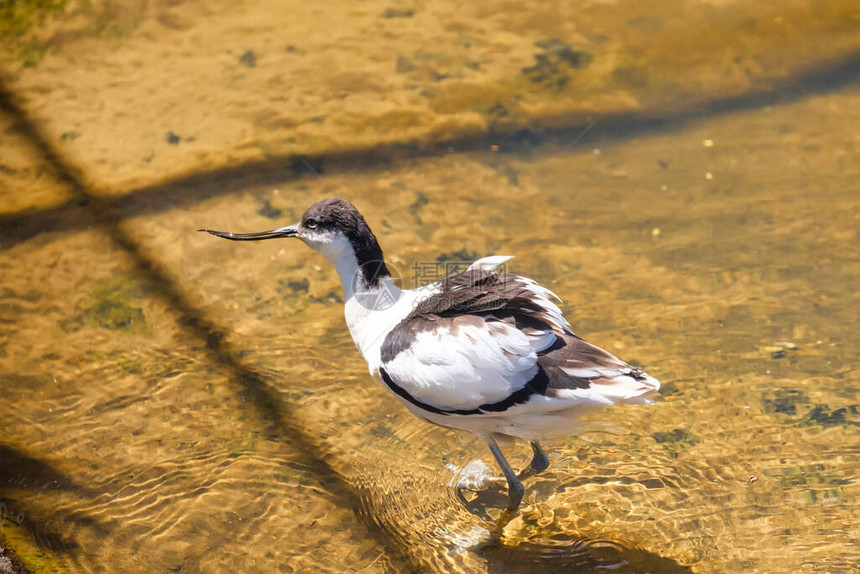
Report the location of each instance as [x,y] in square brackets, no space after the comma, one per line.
[173,402]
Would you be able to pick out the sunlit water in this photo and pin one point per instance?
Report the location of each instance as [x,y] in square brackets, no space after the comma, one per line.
[197,405]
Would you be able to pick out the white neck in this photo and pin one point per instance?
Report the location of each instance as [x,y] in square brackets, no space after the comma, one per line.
[349,272]
[369,311]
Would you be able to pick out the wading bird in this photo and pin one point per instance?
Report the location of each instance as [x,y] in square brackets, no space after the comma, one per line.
[482,350]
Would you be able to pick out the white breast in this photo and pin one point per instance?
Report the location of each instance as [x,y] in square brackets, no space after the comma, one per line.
[465,366]
[370,322]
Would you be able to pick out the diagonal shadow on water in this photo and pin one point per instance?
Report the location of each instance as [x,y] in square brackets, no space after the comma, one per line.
[272,413]
[196,187]
[20,472]
[271,410]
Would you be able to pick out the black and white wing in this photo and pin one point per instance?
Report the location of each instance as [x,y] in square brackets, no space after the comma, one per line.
[487,342]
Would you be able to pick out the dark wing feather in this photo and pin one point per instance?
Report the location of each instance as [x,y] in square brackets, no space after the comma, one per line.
[565,362]
[573,363]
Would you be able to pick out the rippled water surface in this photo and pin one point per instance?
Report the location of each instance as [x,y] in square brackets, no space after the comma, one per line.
[176,403]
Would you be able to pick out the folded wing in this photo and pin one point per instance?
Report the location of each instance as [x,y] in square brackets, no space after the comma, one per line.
[487,342]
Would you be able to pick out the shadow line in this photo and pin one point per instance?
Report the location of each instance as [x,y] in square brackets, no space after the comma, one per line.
[190,189]
[272,413]
[87,209]
[20,472]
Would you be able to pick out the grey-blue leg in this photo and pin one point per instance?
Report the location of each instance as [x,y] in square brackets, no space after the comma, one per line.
[539,462]
[515,487]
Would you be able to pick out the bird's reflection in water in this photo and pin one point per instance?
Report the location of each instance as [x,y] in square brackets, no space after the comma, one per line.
[560,552]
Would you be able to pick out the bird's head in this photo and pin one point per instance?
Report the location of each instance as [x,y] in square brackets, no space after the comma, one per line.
[336,229]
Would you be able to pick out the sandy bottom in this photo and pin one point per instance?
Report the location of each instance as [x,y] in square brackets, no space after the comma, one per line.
[177,403]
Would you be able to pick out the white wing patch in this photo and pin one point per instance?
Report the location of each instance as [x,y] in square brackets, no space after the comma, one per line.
[610,386]
[489,263]
[476,359]
[463,365]
[543,297]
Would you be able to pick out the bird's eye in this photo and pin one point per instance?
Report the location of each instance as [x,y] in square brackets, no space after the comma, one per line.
[311,223]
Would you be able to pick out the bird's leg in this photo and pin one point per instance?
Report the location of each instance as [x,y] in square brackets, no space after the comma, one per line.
[539,462]
[515,487]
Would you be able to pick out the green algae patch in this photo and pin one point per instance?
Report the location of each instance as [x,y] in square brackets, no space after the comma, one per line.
[784,401]
[117,307]
[676,440]
[30,29]
[115,314]
[811,484]
[788,404]
[554,63]
[824,416]
[18,18]
[288,288]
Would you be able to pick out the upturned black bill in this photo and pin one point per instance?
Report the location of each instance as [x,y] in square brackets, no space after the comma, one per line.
[288,231]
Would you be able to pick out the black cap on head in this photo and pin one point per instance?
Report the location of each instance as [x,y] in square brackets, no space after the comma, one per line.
[337,214]
[332,215]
